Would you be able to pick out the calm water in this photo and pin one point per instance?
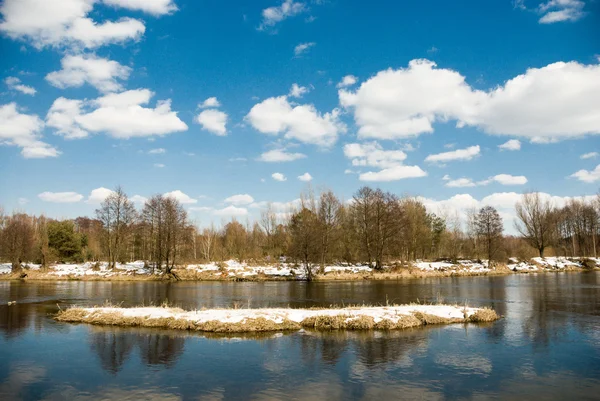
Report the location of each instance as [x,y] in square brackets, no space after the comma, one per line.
[547,345]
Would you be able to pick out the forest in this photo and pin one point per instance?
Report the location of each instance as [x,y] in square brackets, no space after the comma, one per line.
[374,227]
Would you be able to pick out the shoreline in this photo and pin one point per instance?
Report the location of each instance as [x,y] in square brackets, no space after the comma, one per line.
[279,319]
[185,275]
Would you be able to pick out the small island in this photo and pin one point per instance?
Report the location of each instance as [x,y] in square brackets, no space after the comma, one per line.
[279,319]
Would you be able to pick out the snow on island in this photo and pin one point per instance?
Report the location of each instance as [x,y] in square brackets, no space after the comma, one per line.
[279,319]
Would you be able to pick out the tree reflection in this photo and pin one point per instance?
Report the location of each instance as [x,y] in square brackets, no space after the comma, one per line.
[114,346]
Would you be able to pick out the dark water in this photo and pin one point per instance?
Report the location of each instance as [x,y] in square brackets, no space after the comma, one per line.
[546,347]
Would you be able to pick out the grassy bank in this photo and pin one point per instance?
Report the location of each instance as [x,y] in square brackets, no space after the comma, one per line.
[265,320]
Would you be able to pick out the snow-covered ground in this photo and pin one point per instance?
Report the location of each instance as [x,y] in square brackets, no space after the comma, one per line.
[279,315]
[460,265]
[234,268]
[5,268]
[86,269]
[548,263]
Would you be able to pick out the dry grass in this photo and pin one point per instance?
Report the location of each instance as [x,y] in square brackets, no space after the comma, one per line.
[483,315]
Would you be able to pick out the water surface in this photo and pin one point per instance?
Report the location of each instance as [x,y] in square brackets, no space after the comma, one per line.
[547,345]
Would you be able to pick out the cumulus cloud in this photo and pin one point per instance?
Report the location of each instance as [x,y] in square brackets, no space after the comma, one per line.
[98,195]
[24,131]
[298,91]
[240,200]
[280,155]
[507,179]
[139,199]
[302,48]
[393,174]
[159,165]
[512,144]
[561,10]
[273,15]
[306,177]
[48,23]
[210,102]
[101,73]
[15,84]
[60,197]
[590,155]
[373,155]
[213,121]
[588,176]
[278,177]
[544,104]
[120,115]
[460,183]
[232,211]
[157,151]
[503,179]
[303,123]
[346,81]
[458,154]
[181,197]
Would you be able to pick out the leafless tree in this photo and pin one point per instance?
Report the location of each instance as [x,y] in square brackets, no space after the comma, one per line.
[489,230]
[536,220]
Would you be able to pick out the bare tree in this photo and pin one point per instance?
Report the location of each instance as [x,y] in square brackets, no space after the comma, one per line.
[207,241]
[537,220]
[17,239]
[304,244]
[329,217]
[117,214]
[489,229]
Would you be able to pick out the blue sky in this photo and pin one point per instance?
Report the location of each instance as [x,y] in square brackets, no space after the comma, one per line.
[381,90]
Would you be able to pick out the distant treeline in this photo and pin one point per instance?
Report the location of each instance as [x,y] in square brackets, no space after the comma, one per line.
[375,227]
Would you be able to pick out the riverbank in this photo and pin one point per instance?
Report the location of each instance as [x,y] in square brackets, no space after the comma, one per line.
[279,319]
[232,270]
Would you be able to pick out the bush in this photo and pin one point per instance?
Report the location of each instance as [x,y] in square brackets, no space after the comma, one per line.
[588,264]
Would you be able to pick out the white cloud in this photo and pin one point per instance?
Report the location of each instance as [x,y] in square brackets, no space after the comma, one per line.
[512,144]
[460,183]
[346,81]
[278,177]
[240,200]
[278,207]
[561,10]
[306,177]
[298,91]
[50,23]
[157,151]
[273,15]
[458,154]
[209,102]
[393,174]
[304,123]
[507,179]
[280,155]
[138,199]
[373,155]
[60,197]
[159,165]
[14,83]
[503,179]
[302,48]
[23,130]
[590,155]
[153,7]
[181,197]
[588,176]
[213,121]
[231,211]
[98,195]
[120,115]
[23,201]
[101,73]
[549,103]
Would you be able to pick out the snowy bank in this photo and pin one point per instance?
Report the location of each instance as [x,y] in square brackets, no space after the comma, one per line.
[460,266]
[277,319]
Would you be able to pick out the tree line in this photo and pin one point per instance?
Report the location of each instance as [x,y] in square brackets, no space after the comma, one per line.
[373,227]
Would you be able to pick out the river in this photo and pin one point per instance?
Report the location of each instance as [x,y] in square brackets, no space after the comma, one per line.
[546,346]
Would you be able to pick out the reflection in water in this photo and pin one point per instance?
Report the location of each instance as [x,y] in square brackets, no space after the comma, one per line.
[547,344]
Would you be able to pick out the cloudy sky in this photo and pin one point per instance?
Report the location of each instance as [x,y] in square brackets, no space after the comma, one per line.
[229,105]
